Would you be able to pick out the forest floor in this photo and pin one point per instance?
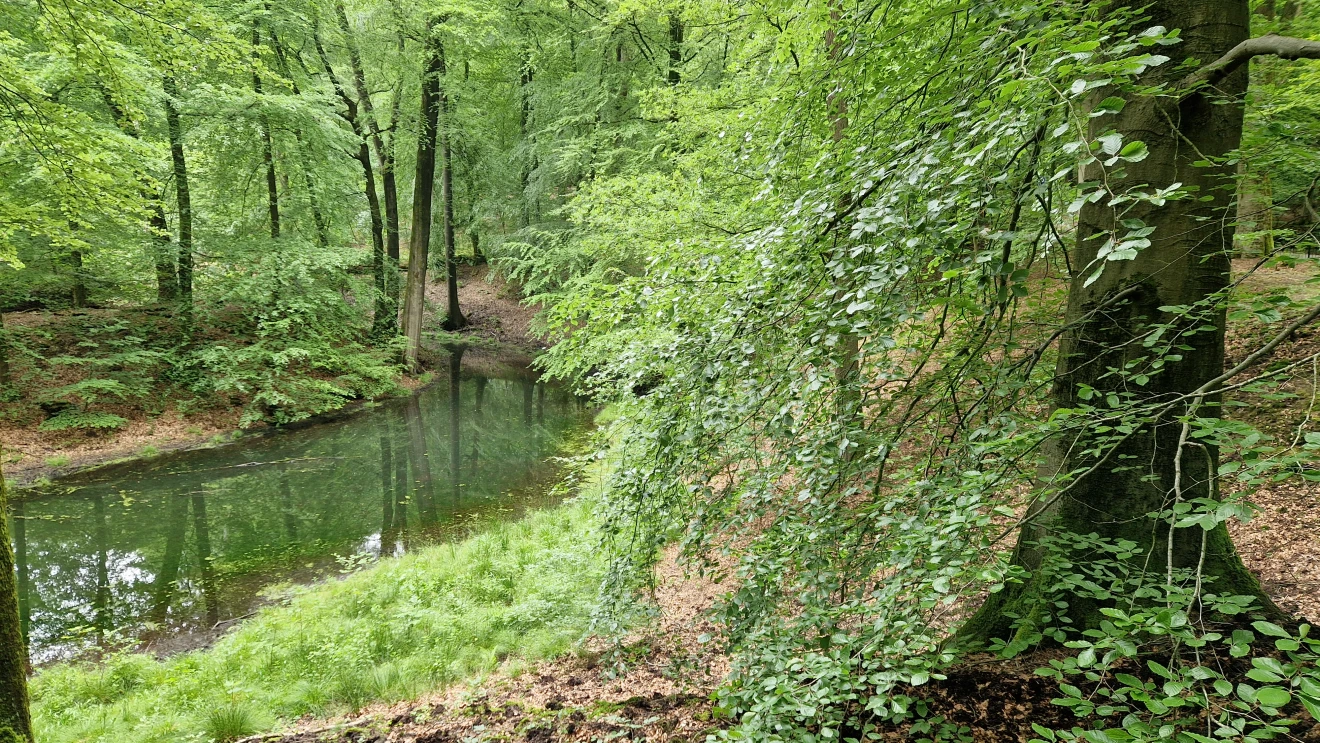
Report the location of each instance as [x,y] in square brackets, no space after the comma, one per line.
[499,331]
[663,690]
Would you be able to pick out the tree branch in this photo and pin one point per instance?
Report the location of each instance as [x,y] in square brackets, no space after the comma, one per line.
[1283,47]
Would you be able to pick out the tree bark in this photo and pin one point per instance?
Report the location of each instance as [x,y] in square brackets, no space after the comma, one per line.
[419,243]
[453,317]
[387,307]
[79,295]
[1186,263]
[384,321]
[14,714]
[167,279]
[182,196]
[6,377]
[313,203]
[675,49]
[267,145]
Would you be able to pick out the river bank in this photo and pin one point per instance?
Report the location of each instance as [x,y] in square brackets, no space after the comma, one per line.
[499,336]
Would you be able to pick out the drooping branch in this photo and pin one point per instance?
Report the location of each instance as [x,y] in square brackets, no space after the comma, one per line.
[1283,47]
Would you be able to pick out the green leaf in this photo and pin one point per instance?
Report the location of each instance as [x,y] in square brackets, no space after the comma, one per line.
[1273,696]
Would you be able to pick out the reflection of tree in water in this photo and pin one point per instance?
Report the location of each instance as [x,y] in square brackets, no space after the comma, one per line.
[194,539]
[455,420]
[167,579]
[202,536]
[101,599]
[423,487]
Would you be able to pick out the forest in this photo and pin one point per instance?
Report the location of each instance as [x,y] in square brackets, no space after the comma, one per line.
[669,370]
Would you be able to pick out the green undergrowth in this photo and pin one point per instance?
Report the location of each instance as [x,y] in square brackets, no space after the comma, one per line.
[522,590]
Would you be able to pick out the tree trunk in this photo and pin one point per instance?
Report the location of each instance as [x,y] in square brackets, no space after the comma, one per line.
[79,296]
[453,317]
[6,377]
[313,203]
[387,306]
[167,280]
[267,145]
[675,49]
[1187,262]
[14,715]
[384,322]
[181,193]
[419,244]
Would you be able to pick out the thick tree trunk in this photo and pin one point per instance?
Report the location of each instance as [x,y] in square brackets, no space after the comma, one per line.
[14,714]
[1186,263]
[419,244]
[182,196]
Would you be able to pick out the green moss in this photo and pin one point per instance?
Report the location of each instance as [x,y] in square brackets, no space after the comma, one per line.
[521,590]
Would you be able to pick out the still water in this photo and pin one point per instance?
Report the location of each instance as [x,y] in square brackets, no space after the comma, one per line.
[167,552]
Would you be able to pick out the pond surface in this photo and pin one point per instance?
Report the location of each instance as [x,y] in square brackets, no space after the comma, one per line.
[171,550]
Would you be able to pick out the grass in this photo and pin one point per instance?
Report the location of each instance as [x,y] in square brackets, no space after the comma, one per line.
[521,590]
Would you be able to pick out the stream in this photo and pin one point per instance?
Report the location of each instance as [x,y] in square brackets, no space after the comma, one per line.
[165,553]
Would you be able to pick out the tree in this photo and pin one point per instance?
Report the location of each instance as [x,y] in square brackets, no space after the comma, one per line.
[182,191]
[453,317]
[15,719]
[423,188]
[1116,313]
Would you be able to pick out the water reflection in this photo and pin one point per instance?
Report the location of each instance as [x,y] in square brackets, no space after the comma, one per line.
[168,549]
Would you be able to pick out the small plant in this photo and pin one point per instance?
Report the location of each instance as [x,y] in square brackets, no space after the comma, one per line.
[59,460]
[150,451]
[229,723]
[74,419]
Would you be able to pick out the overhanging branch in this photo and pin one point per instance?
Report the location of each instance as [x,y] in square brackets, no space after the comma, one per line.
[1283,47]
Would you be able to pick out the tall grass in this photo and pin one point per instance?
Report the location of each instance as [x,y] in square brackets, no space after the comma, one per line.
[409,624]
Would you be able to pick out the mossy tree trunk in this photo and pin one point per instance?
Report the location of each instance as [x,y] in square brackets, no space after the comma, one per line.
[1187,262]
[15,719]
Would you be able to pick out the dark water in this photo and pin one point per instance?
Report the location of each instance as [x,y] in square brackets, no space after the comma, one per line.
[167,551]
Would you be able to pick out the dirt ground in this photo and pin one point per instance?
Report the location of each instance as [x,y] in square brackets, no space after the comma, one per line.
[499,324]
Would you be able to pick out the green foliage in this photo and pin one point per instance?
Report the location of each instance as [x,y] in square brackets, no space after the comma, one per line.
[388,632]
[82,420]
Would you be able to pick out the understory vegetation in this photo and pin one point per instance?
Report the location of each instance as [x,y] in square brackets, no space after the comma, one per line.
[391,631]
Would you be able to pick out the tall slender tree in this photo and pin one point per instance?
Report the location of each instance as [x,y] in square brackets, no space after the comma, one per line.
[182,192]
[419,243]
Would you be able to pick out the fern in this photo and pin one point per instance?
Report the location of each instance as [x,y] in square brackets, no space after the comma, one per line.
[84,420]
